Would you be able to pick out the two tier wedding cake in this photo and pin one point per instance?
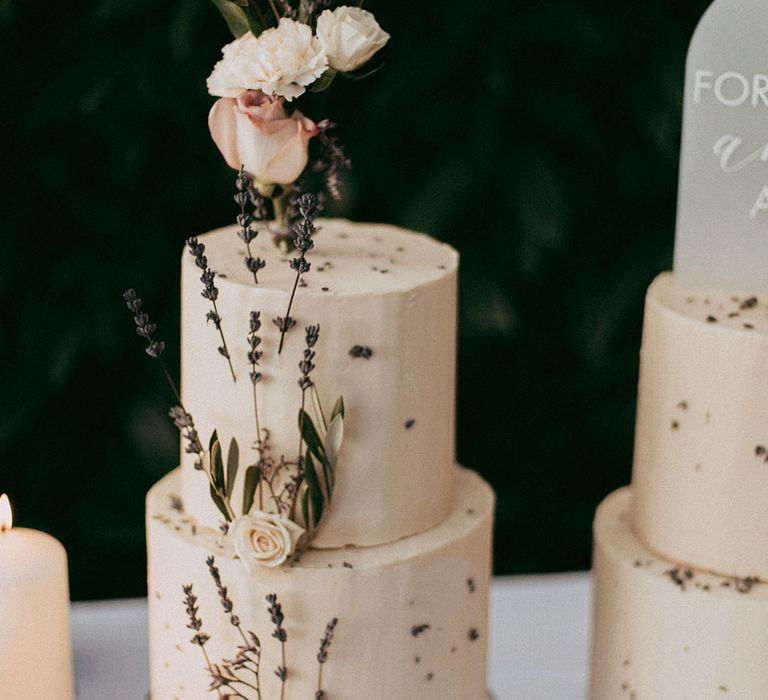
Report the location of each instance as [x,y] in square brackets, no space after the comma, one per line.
[681,557]
[318,539]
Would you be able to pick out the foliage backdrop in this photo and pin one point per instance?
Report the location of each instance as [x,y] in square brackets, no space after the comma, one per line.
[540,138]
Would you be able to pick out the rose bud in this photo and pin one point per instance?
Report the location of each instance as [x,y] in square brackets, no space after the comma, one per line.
[256,132]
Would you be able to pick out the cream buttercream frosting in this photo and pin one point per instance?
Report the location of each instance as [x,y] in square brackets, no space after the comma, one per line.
[412,614]
[700,478]
[378,288]
[665,630]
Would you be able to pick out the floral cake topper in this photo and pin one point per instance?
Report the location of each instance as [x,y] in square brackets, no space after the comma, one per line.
[268,120]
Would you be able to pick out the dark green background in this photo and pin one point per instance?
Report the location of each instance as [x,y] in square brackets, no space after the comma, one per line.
[539,138]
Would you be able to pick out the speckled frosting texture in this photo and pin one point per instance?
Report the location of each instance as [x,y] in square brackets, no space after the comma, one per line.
[700,479]
[412,615]
[373,286]
[666,631]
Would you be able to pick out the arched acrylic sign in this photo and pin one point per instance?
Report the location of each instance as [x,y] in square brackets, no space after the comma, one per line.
[722,222]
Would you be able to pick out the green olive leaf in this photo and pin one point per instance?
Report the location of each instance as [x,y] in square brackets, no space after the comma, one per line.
[235,16]
[233,464]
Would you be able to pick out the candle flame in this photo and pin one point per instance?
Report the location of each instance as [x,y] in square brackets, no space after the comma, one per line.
[6,514]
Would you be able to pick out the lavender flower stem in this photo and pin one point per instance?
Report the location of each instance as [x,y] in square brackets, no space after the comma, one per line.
[224,344]
[288,313]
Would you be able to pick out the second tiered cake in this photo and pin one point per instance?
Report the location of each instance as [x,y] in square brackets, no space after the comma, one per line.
[681,557]
[400,563]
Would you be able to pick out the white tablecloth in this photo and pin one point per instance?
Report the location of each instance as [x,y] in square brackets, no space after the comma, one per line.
[539,641]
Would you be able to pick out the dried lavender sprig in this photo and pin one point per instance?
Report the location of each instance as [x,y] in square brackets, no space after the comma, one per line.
[275,610]
[254,357]
[196,624]
[186,425]
[312,333]
[334,161]
[304,230]
[146,329]
[226,601]
[210,292]
[244,220]
[252,646]
[322,656]
[306,365]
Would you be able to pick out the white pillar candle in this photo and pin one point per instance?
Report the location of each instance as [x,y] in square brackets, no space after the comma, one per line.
[35,644]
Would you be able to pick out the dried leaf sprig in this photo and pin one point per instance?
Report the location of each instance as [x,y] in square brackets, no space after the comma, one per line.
[210,292]
[303,232]
[245,221]
[249,655]
[322,656]
[276,615]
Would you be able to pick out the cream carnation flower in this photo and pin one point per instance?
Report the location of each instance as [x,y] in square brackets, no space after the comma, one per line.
[264,539]
[282,61]
[349,36]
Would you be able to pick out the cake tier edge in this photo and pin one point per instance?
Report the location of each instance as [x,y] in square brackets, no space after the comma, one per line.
[661,630]
[700,479]
[412,615]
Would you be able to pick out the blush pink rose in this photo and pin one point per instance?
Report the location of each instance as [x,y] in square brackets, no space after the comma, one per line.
[256,132]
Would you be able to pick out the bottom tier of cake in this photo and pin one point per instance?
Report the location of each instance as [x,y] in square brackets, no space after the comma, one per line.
[412,615]
[662,630]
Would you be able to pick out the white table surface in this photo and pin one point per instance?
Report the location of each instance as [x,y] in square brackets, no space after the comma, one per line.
[539,642]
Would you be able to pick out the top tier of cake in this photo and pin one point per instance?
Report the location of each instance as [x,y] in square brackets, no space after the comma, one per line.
[389,293]
[700,480]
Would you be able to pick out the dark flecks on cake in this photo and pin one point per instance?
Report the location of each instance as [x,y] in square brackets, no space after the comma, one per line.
[683,405]
[347,565]
[748,326]
[454,650]
[690,300]
[711,319]
[471,585]
[430,676]
[762,451]
[680,577]
[745,585]
[418,630]
[303,283]
[410,423]
[473,634]
[326,289]
[470,511]
[675,425]
[734,314]
[361,351]
[417,659]
[176,503]
[722,688]
[750,303]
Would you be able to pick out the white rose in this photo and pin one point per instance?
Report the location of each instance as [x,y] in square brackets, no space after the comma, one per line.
[282,61]
[349,36]
[264,539]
